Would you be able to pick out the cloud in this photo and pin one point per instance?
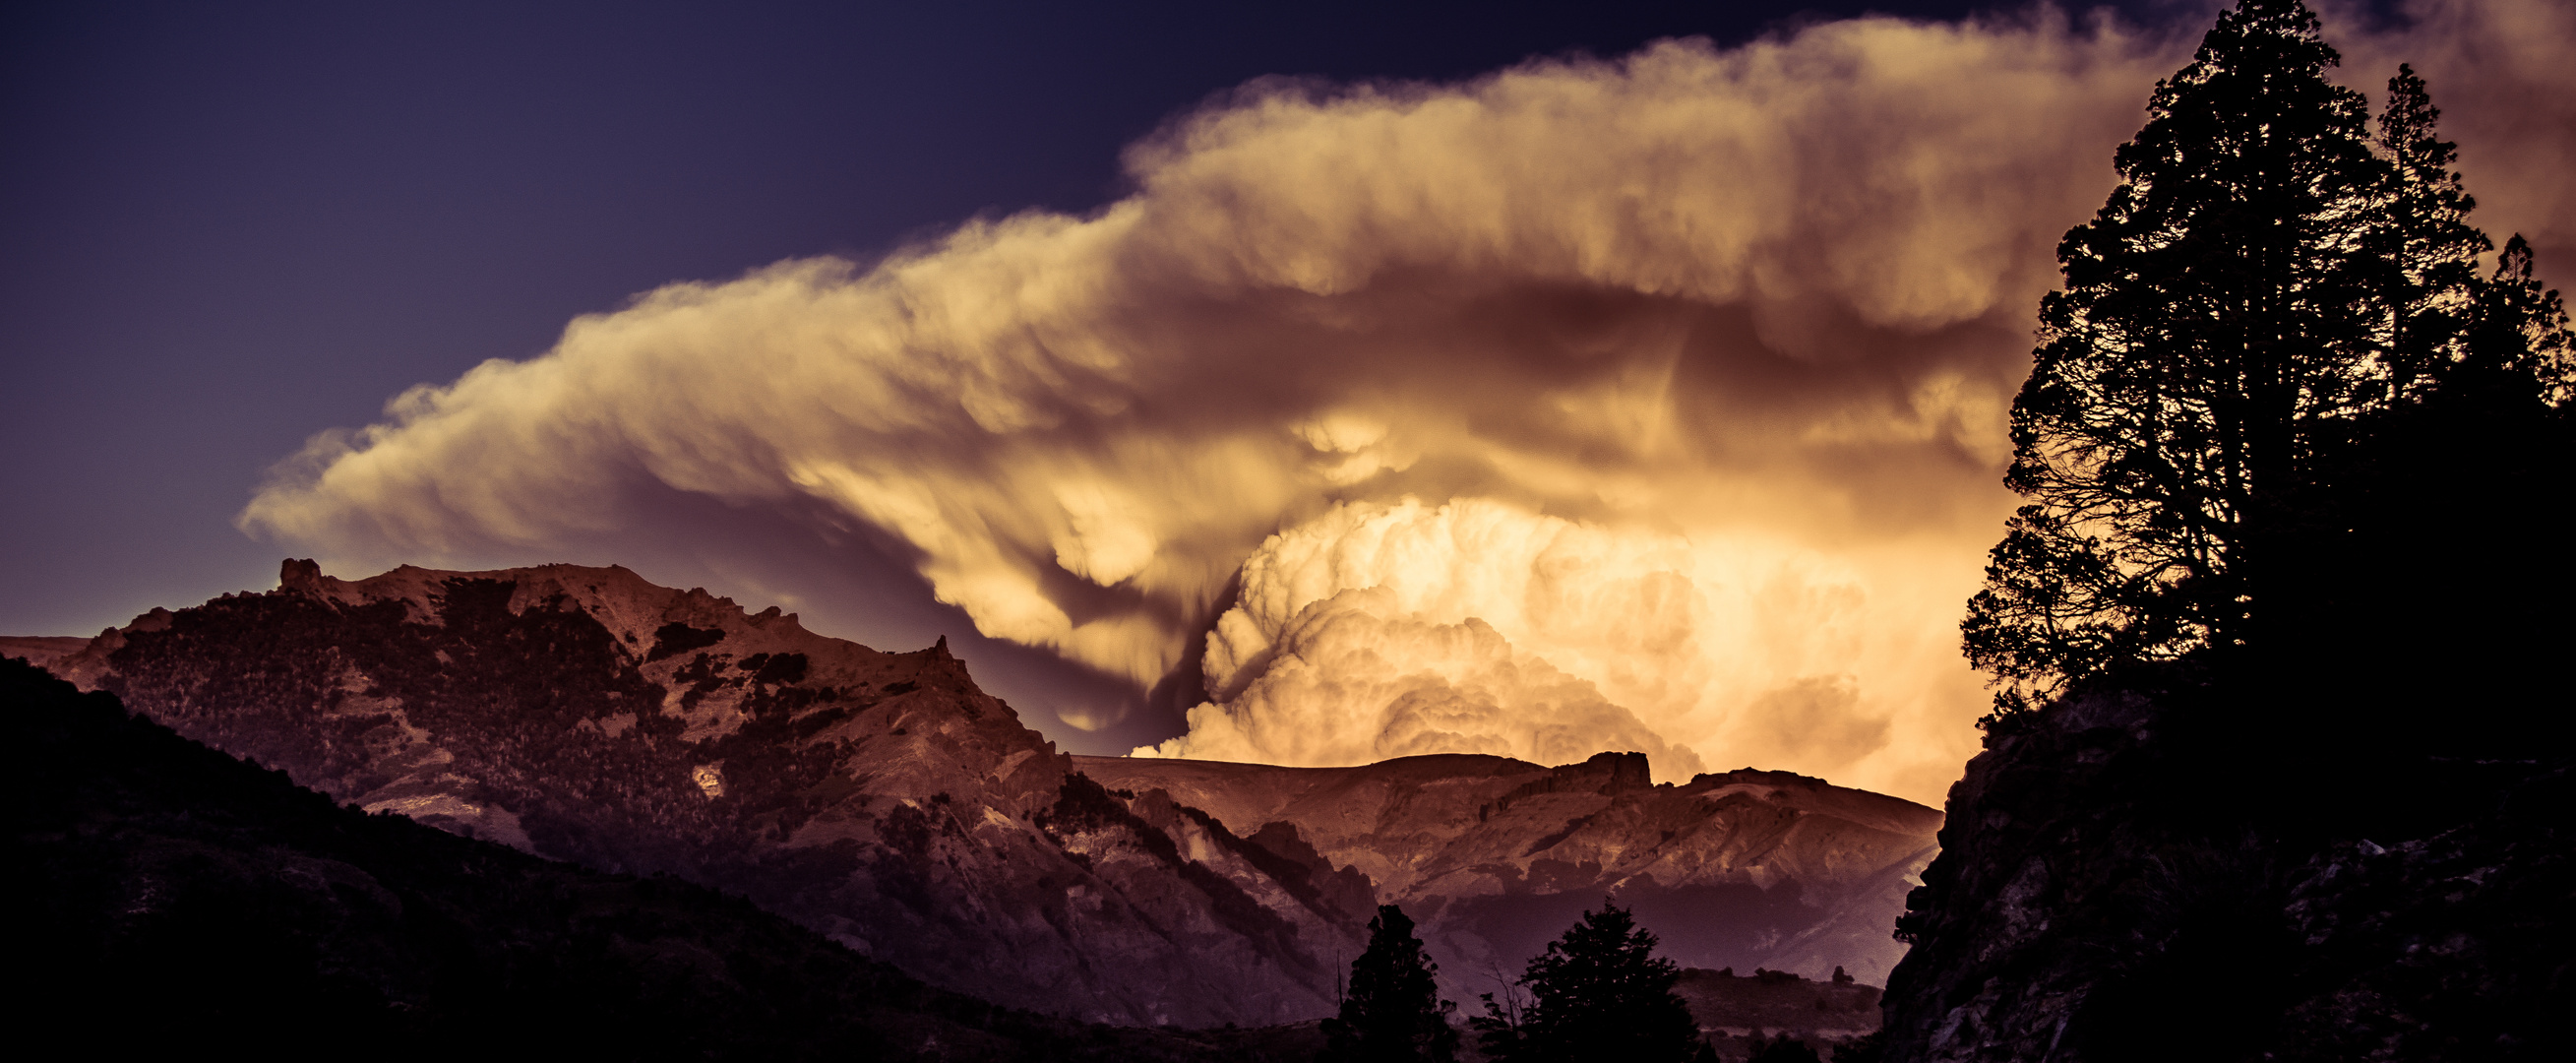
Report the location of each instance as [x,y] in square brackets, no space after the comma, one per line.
[1354,679]
[1656,401]
[1532,634]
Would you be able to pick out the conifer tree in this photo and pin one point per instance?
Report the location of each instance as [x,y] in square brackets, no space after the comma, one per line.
[2279,426]
[1599,992]
[1393,1011]
[2521,333]
[2225,319]
[2430,249]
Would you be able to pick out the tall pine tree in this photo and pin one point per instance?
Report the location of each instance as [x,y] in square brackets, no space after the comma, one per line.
[2502,337]
[2224,322]
[1599,993]
[2426,244]
[1393,1013]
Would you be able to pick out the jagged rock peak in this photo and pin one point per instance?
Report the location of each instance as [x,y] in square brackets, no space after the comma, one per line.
[303,576]
[1627,772]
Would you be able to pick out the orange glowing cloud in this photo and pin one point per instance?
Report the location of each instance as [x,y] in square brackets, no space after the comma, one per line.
[1655,403]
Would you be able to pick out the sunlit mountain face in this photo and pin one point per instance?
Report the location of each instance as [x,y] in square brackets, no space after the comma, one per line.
[887,802]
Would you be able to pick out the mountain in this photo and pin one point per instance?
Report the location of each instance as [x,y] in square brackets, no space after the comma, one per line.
[586,715]
[1494,857]
[175,897]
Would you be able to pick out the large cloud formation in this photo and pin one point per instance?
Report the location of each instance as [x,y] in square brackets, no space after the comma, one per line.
[1653,403]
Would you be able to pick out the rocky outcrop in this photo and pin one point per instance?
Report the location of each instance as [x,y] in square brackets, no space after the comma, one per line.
[1495,857]
[2125,879]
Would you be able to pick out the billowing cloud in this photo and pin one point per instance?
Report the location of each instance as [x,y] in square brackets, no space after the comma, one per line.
[1728,643]
[1653,403]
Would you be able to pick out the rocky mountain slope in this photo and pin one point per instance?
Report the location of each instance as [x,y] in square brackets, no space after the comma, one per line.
[174,897]
[1495,857]
[587,715]
[2132,878]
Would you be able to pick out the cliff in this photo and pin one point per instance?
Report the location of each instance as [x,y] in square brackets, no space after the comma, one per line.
[2137,878]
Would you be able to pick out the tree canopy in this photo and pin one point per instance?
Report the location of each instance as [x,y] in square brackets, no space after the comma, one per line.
[2270,287]
[1599,992]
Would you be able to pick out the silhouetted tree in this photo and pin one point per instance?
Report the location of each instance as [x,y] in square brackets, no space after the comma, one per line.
[1598,993]
[2438,490]
[1392,1011]
[2429,248]
[2520,337]
[2266,278]
[2449,321]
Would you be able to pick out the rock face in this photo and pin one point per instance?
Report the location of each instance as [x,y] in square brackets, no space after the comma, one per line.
[587,715]
[174,896]
[882,799]
[2112,888]
[1495,857]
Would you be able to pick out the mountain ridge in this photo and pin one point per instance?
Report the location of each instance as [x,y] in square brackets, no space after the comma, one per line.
[886,801]
[1458,839]
[586,714]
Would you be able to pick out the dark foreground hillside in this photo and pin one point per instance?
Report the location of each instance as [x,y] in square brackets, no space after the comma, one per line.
[171,896]
[2126,877]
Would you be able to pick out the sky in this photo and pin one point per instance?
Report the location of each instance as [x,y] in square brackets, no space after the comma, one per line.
[1308,384]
